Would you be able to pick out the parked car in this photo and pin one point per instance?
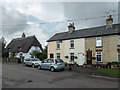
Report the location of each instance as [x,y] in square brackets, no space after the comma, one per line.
[34,62]
[52,64]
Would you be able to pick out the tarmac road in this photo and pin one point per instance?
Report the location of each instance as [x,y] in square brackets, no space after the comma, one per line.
[19,76]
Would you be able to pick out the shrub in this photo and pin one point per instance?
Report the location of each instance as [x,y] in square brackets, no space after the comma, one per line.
[108,65]
[66,63]
[97,65]
[115,63]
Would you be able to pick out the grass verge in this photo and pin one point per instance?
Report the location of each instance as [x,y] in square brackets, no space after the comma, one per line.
[110,72]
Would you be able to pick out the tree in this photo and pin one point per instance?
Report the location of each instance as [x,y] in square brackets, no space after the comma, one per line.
[35,53]
[40,55]
[43,55]
[2,45]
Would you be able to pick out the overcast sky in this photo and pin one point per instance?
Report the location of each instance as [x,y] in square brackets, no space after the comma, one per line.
[44,19]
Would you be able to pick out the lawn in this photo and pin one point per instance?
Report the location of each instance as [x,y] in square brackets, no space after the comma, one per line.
[111,72]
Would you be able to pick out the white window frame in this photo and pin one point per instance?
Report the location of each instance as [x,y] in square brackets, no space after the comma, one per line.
[100,53]
[98,42]
[118,56]
[57,55]
[57,45]
[71,54]
[118,39]
[72,42]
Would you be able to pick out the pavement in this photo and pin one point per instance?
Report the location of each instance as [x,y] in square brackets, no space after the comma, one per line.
[18,76]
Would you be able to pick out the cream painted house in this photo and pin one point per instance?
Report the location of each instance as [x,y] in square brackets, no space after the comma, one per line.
[87,46]
[70,50]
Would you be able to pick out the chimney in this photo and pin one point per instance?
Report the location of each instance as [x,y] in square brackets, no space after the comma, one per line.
[23,35]
[109,21]
[71,27]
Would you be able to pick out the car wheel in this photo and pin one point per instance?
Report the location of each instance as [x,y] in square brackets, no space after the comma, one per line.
[52,69]
[39,67]
[62,69]
[24,64]
[33,65]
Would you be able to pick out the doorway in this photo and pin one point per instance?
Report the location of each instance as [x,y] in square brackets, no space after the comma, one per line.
[89,57]
[80,59]
[51,55]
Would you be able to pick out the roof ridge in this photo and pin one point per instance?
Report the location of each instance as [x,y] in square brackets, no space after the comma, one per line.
[88,28]
[23,38]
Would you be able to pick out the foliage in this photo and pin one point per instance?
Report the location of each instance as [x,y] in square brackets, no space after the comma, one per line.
[12,55]
[74,63]
[115,63]
[66,57]
[35,53]
[97,65]
[40,55]
[2,46]
[111,72]
[75,57]
[66,63]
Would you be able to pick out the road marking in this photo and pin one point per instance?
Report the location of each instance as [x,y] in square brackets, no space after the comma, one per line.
[103,77]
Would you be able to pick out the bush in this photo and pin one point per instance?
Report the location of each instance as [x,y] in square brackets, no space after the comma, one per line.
[66,64]
[115,63]
[97,65]
[108,65]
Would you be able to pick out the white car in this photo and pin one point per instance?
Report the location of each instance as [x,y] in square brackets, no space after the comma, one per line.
[34,62]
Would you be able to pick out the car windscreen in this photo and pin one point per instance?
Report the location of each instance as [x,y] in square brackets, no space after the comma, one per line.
[35,59]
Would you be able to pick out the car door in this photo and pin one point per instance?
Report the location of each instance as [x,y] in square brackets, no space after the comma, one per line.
[29,62]
[48,64]
[43,64]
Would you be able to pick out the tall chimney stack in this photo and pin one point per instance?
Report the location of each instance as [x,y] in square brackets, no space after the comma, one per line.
[109,20]
[71,27]
[23,35]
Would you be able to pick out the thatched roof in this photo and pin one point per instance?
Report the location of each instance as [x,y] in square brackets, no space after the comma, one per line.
[23,43]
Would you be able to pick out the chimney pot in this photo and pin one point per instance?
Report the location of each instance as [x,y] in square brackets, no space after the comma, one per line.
[23,35]
[109,20]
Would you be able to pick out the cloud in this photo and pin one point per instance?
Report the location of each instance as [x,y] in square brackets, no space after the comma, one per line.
[37,15]
[12,21]
[83,10]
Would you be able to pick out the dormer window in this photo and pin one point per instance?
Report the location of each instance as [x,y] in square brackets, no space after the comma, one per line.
[9,49]
[19,48]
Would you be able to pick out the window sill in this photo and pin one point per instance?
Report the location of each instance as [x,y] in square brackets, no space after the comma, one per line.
[118,45]
[72,48]
[98,46]
[99,62]
[57,48]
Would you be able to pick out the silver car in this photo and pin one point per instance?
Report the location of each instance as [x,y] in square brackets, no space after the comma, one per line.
[52,64]
[34,62]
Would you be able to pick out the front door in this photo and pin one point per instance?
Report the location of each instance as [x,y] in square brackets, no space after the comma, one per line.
[51,55]
[80,59]
[118,56]
[89,57]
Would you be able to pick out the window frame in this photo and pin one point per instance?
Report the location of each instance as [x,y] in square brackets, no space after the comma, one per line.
[58,43]
[118,40]
[57,55]
[118,56]
[72,43]
[99,54]
[99,43]
[72,57]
